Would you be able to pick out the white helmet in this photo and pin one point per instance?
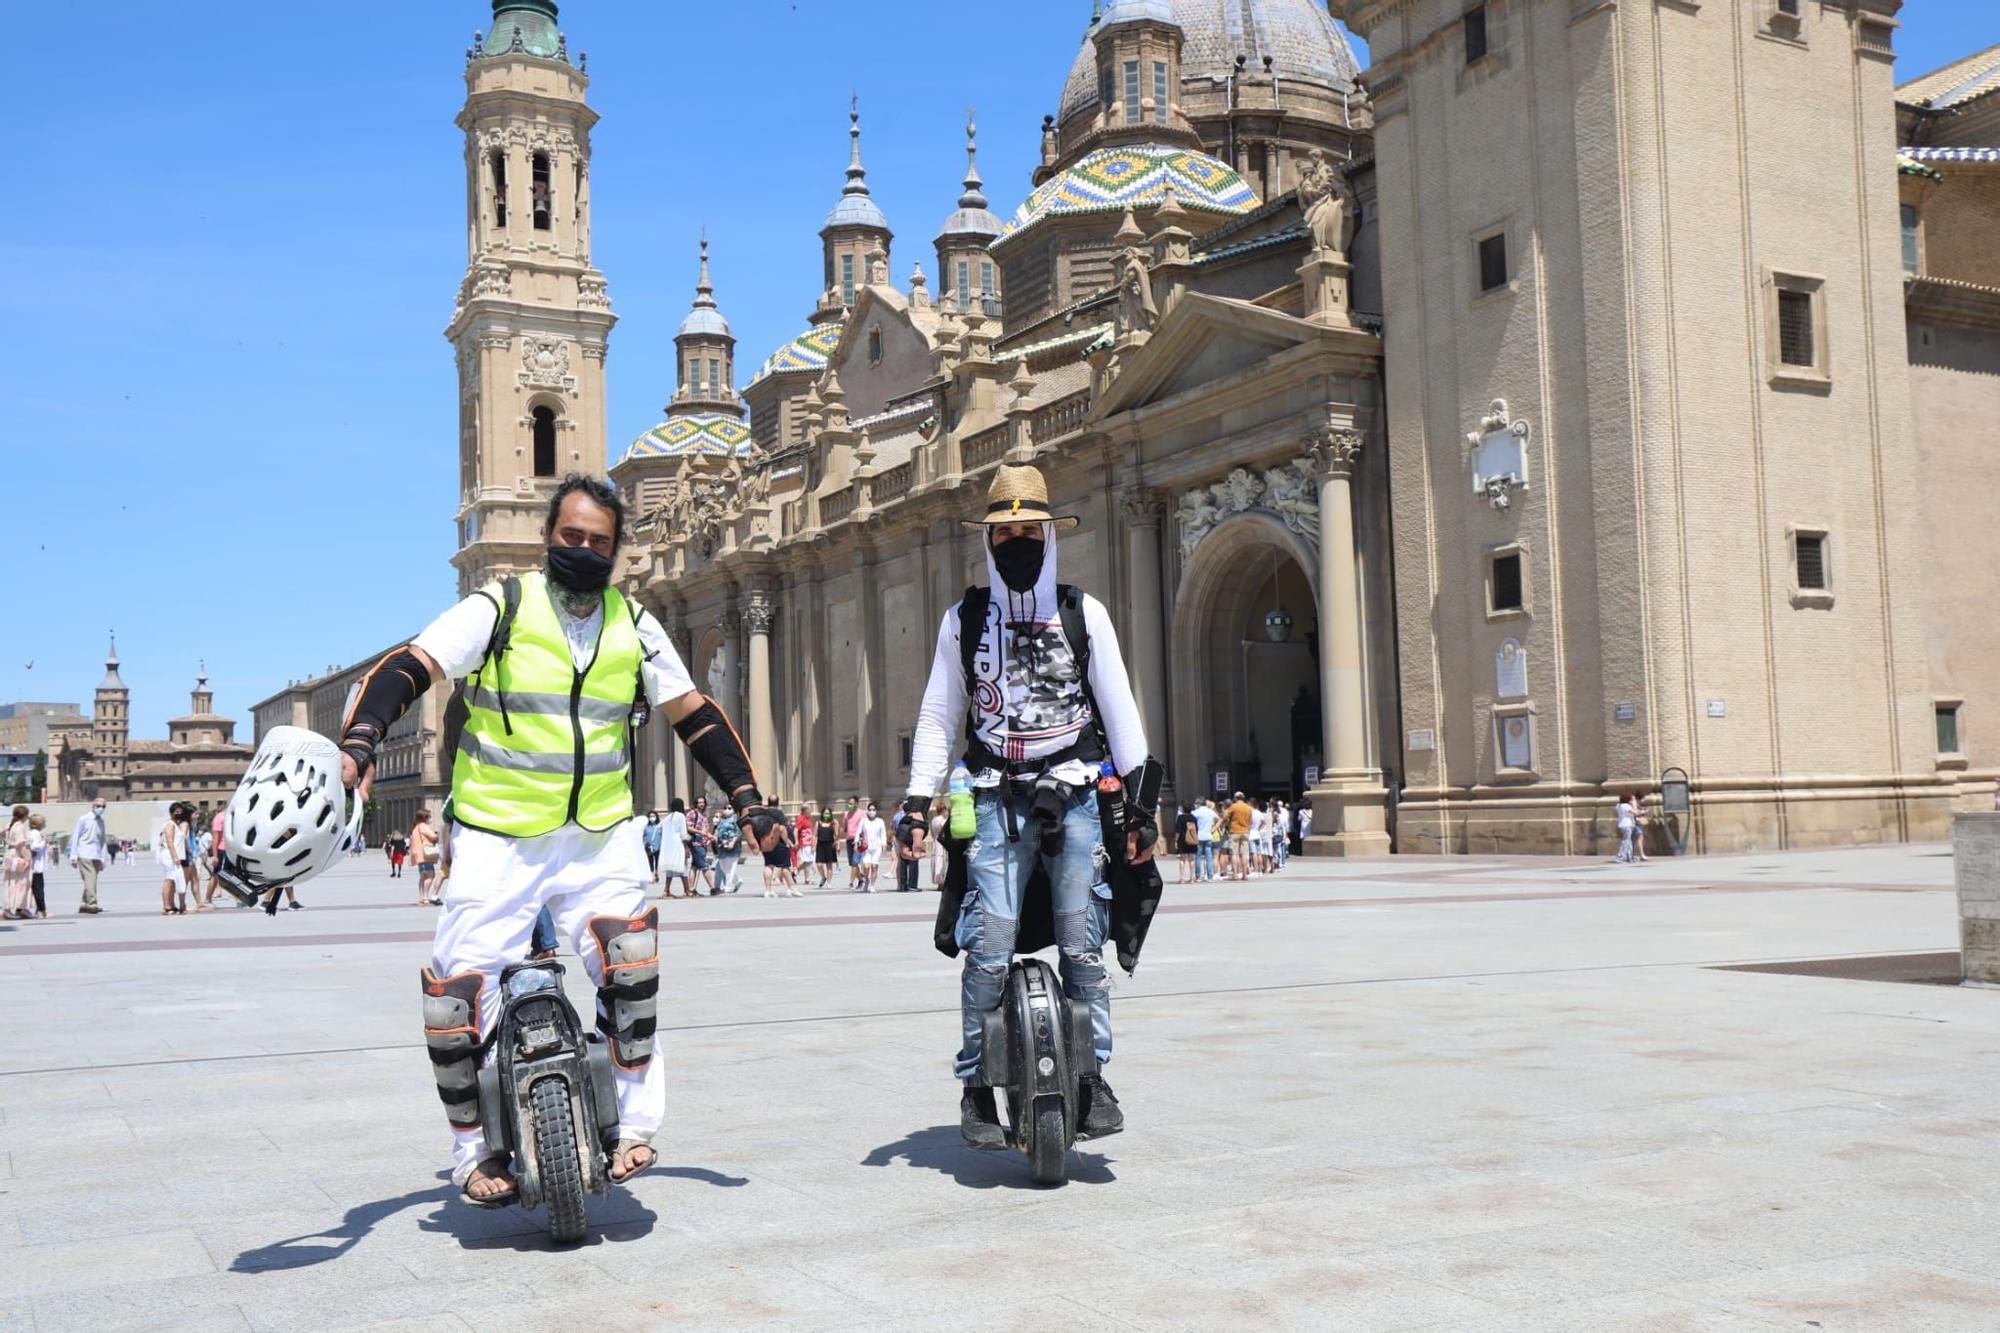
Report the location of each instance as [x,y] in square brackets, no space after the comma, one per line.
[289,819]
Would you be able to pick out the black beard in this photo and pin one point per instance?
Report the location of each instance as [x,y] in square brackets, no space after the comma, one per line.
[579,605]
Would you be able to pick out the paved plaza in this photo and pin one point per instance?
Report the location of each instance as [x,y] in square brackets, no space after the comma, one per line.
[1413,1093]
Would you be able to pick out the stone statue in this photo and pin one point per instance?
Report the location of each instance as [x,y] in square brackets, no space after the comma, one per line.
[1328,203]
[1293,496]
[1136,311]
[1197,512]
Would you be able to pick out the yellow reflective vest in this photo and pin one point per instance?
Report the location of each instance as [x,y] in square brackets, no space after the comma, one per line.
[544,742]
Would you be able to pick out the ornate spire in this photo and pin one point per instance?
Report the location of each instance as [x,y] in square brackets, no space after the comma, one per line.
[973,197]
[111,679]
[857,175]
[111,658]
[704,290]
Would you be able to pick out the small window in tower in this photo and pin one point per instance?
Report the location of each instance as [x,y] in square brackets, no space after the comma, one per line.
[1475,34]
[1947,727]
[1131,92]
[1104,88]
[986,276]
[714,378]
[964,282]
[1493,261]
[847,279]
[1809,551]
[1503,582]
[1910,262]
[499,189]
[545,441]
[1159,90]
[874,347]
[542,195]
[1795,327]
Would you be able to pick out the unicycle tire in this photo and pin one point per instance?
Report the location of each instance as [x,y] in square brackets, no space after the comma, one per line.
[556,1159]
[1048,1149]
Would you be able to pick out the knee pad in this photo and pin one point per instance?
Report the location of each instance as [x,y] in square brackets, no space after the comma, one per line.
[451,1031]
[628,1001]
[996,936]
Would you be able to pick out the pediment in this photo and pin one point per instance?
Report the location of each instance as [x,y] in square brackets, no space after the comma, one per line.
[1202,339]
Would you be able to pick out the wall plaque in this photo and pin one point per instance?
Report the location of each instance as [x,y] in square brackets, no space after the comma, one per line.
[1423,739]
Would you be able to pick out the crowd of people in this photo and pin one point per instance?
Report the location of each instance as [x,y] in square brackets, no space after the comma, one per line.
[694,852]
[1237,839]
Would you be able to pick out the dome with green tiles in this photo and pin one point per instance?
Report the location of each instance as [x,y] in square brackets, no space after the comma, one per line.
[536,20]
[709,435]
[811,350]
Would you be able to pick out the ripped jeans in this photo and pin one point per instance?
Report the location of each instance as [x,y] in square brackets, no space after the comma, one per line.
[997,874]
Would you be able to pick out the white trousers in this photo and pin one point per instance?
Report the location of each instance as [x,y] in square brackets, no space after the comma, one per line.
[497,887]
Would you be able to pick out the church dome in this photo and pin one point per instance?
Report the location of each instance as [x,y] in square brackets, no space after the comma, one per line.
[536,21]
[1111,180]
[811,350]
[1301,38]
[704,319]
[706,433]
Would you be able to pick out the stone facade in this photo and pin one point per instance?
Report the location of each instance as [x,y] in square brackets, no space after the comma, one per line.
[1975,847]
[199,762]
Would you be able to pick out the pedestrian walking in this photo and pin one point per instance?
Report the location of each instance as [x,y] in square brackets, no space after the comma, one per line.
[912,846]
[874,838]
[424,852]
[856,817]
[395,847]
[167,845]
[1184,841]
[674,851]
[826,834]
[700,870]
[728,849]
[38,852]
[778,882]
[88,847]
[17,868]
[652,840]
[1237,819]
[1626,812]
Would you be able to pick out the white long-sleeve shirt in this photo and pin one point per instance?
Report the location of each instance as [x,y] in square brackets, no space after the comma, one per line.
[457,641]
[87,843]
[945,702]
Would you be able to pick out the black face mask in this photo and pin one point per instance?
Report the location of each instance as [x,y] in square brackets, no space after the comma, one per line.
[578,569]
[1019,562]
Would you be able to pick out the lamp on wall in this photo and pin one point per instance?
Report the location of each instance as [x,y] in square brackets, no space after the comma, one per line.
[1277,621]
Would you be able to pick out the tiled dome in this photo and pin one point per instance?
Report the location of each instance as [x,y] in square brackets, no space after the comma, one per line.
[809,351]
[678,437]
[1111,180]
[1304,43]
[537,21]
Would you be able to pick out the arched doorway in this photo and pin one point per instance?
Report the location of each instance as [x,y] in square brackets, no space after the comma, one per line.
[1246,661]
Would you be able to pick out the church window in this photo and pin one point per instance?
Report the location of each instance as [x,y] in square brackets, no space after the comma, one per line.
[1159,90]
[545,441]
[714,377]
[1910,261]
[1947,726]
[1131,92]
[541,191]
[1795,327]
[1104,88]
[874,347]
[847,279]
[964,282]
[1493,261]
[1475,34]
[847,756]
[1809,560]
[499,189]
[1789,7]
[1503,583]
[986,276]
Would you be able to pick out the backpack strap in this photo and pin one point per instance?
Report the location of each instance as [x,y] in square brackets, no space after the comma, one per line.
[500,640]
[972,610]
[1076,628]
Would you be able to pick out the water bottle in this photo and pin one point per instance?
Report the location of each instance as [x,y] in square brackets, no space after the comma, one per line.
[1111,807]
[959,800]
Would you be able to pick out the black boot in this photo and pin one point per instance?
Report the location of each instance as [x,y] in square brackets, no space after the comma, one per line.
[979,1120]
[1101,1116]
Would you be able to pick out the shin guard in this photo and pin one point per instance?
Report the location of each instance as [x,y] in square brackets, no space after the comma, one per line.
[629,999]
[451,1031]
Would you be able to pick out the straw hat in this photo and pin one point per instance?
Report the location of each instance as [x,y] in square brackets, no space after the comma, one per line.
[1019,495]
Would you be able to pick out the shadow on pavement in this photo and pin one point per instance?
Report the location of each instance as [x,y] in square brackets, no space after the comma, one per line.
[319,1247]
[940,1149]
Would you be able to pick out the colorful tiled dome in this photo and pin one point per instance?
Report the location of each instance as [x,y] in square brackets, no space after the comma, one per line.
[708,434]
[1111,180]
[811,350]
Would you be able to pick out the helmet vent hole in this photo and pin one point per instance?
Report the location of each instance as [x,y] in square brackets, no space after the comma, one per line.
[301,856]
[250,836]
[277,808]
[255,796]
[320,821]
[283,838]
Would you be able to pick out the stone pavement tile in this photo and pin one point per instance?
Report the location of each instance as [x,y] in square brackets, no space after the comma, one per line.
[1293,1291]
[157,1256]
[736,1300]
[1014,1257]
[1554,1261]
[1858,1293]
[215,1299]
[137,1306]
[407,1303]
[17,1315]
[1631,1312]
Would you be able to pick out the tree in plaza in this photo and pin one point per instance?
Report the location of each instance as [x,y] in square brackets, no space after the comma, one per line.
[40,781]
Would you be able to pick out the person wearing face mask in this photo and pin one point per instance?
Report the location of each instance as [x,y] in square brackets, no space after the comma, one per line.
[558,667]
[88,849]
[1032,669]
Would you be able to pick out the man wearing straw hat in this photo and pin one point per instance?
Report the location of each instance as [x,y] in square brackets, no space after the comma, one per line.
[1033,669]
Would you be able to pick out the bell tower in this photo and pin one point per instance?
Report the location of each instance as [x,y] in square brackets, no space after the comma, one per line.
[110,733]
[533,316]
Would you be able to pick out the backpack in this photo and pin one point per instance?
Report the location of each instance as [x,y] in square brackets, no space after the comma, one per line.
[972,611]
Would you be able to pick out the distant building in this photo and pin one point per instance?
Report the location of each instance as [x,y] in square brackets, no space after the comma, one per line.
[199,761]
[25,726]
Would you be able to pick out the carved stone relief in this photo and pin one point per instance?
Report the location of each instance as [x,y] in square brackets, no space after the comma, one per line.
[1288,492]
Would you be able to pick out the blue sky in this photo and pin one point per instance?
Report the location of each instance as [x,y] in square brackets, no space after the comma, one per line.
[234,435]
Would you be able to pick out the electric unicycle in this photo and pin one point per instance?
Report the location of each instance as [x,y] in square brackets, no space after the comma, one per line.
[546,1097]
[1043,1047]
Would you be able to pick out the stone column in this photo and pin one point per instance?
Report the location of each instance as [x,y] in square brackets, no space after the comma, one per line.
[1143,510]
[1350,816]
[763,723]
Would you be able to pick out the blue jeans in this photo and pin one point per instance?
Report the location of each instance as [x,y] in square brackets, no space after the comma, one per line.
[544,940]
[997,875]
[1204,859]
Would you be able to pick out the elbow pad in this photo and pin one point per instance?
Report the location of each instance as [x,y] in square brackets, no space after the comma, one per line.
[387,692]
[719,750]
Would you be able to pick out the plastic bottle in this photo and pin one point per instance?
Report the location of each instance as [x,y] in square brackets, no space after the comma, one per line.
[959,799]
[1111,807]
